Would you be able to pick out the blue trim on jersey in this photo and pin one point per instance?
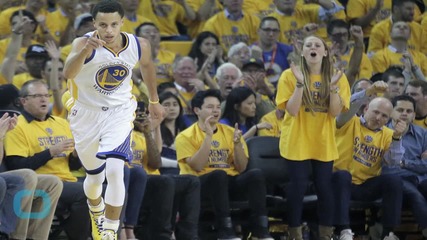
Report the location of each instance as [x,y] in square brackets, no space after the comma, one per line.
[96,171]
[139,47]
[90,57]
[123,151]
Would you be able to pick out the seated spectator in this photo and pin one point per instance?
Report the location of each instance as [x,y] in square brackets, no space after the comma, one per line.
[254,77]
[204,10]
[163,59]
[173,123]
[218,155]
[274,53]
[347,55]
[184,74]
[397,50]
[35,61]
[131,18]
[413,167]
[360,85]
[43,143]
[167,87]
[165,193]
[27,32]
[233,25]
[418,91]
[300,20]
[240,109]
[165,15]
[227,76]
[402,11]
[207,53]
[238,54]
[365,145]
[395,80]
[275,119]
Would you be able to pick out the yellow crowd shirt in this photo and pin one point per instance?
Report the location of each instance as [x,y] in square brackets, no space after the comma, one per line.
[365,69]
[380,37]
[422,122]
[163,62]
[221,154]
[306,128]
[259,8]
[275,123]
[4,44]
[231,32]
[56,22]
[130,26]
[360,8]
[139,150]
[196,27]
[166,18]
[5,27]
[29,138]
[361,150]
[388,57]
[65,51]
[292,25]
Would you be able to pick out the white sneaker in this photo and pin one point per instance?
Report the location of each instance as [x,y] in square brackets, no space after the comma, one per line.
[108,234]
[391,236]
[346,234]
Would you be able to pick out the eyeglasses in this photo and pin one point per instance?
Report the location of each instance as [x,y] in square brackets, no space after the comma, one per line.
[273,30]
[39,95]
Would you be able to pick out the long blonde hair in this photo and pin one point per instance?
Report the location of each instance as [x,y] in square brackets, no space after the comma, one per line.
[327,71]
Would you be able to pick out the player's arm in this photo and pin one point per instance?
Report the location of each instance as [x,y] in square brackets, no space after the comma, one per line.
[148,69]
[81,49]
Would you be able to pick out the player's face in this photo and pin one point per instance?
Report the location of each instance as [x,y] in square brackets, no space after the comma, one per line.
[247,107]
[404,110]
[211,107]
[396,86]
[108,26]
[313,50]
[171,106]
[377,114]
[37,101]
[208,45]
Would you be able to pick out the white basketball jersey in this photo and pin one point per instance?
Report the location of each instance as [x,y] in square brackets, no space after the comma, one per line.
[105,79]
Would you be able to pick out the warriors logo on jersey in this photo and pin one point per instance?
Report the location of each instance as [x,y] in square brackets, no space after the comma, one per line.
[110,78]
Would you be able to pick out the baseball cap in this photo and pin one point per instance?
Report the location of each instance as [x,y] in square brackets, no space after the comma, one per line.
[36,50]
[80,19]
[254,61]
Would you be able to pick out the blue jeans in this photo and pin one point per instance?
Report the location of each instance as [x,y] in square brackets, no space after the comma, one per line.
[418,203]
[135,190]
[10,184]
[386,187]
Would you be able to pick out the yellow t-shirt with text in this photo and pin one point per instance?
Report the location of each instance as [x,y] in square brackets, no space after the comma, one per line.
[361,150]
[231,32]
[306,128]
[130,26]
[221,154]
[29,138]
[259,8]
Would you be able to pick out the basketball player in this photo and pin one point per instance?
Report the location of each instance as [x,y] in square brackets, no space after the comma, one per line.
[100,64]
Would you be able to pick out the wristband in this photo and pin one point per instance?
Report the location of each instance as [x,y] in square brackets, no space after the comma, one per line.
[396,139]
[256,127]
[153,102]
[300,85]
